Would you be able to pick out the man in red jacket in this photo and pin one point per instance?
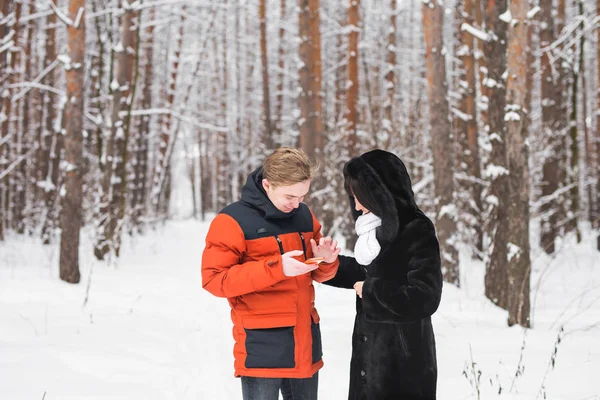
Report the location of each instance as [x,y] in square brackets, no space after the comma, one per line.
[255,256]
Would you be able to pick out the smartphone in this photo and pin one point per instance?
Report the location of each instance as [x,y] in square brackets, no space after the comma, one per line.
[314,260]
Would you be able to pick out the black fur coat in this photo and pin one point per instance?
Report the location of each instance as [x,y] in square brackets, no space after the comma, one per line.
[393,344]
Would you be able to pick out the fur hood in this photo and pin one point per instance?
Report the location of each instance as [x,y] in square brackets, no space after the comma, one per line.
[380,180]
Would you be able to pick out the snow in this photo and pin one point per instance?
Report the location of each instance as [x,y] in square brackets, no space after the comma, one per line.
[532,13]
[149,331]
[506,16]
[479,34]
[513,251]
[114,85]
[493,171]
[512,116]
[450,210]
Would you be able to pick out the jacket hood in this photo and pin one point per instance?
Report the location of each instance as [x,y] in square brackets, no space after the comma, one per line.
[254,194]
[387,186]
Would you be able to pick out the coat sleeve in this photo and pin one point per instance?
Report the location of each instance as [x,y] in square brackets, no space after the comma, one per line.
[325,271]
[419,296]
[223,273]
[348,273]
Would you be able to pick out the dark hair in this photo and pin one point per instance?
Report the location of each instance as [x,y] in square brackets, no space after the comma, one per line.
[357,188]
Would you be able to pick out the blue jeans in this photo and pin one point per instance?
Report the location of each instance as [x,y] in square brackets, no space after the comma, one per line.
[291,389]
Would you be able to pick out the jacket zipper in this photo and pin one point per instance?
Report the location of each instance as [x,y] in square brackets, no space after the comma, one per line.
[303,245]
[279,243]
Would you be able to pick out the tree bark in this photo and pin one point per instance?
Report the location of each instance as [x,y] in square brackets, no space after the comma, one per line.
[465,122]
[160,173]
[496,279]
[264,50]
[72,220]
[138,203]
[352,87]
[6,78]
[597,209]
[574,171]
[278,128]
[390,78]
[311,109]
[550,92]
[441,138]
[519,264]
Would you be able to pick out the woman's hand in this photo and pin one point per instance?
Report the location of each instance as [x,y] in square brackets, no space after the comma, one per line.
[358,287]
[327,248]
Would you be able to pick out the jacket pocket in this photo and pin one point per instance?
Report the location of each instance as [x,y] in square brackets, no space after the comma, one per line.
[270,341]
[315,330]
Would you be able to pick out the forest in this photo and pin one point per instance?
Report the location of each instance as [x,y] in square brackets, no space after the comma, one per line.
[493,106]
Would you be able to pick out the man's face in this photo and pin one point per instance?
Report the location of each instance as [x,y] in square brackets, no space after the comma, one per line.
[286,198]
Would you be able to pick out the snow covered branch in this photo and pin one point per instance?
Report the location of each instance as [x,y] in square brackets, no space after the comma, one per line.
[63,17]
[35,83]
[191,121]
[479,34]
[18,161]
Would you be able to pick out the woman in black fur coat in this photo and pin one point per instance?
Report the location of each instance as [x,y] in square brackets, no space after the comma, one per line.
[397,276]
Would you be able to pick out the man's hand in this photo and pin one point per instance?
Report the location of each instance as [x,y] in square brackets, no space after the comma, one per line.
[358,287]
[327,248]
[293,267]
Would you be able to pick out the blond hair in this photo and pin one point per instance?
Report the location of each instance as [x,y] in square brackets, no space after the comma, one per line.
[287,166]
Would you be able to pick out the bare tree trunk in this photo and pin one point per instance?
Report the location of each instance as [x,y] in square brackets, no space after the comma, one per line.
[340,86]
[51,144]
[573,174]
[113,198]
[160,174]
[278,128]
[72,211]
[222,153]
[496,278]
[551,92]
[262,15]
[129,71]
[531,57]
[562,88]
[352,86]
[142,148]
[17,178]
[588,145]
[483,103]
[311,109]
[28,143]
[465,122]
[98,65]
[441,141]
[203,173]
[9,40]
[519,265]
[596,223]
[239,174]
[390,78]
[191,165]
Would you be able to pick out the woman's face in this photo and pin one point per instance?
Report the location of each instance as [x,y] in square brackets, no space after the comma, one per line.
[360,207]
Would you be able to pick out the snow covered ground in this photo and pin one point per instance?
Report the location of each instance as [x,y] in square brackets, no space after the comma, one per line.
[147,330]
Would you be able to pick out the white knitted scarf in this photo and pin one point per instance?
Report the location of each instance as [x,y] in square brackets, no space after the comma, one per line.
[367,247]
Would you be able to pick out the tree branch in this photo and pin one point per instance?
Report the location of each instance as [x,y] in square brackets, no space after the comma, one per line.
[65,19]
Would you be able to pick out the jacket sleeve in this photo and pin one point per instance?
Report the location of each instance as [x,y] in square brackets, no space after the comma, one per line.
[419,296]
[223,273]
[325,271]
[348,273]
